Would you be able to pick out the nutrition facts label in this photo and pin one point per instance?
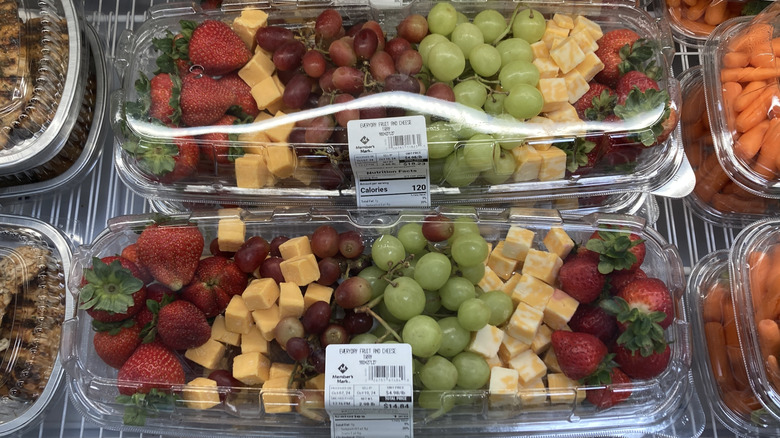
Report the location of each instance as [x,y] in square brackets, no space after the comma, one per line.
[368,390]
[390,160]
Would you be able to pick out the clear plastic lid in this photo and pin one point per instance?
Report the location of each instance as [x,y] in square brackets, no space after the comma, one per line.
[44,71]
[34,259]
[692,21]
[662,405]
[487,144]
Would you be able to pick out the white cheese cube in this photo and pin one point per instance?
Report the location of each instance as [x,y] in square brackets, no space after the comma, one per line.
[558,242]
[518,242]
[503,386]
[576,85]
[567,55]
[590,66]
[554,93]
[563,389]
[490,281]
[527,163]
[542,340]
[510,284]
[532,291]
[524,322]
[553,164]
[542,265]
[533,393]
[486,341]
[559,310]
[529,367]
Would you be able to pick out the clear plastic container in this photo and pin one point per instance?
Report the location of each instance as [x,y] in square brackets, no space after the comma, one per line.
[720,361]
[692,22]
[45,72]
[715,198]
[319,170]
[35,259]
[742,63]
[85,143]
[662,406]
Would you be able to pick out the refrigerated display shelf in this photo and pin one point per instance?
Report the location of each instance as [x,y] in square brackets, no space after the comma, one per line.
[81,212]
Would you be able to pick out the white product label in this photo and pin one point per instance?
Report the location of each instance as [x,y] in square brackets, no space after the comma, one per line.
[389,158]
[368,390]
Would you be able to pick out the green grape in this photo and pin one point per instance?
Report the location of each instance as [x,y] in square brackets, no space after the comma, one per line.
[463,131]
[485,60]
[467,36]
[529,25]
[462,18]
[506,140]
[514,49]
[446,61]
[473,371]
[408,271]
[387,251]
[374,276]
[454,337]
[469,250]
[524,101]
[473,314]
[427,43]
[442,18]
[491,23]
[463,225]
[436,170]
[473,273]
[432,302]
[381,330]
[456,172]
[435,400]
[441,140]
[470,93]
[412,238]
[478,152]
[404,300]
[439,374]
[385,313]
[423,334]
[503,168]
[455,291]
[364,338]
[500,304]
[433,270]
[518,72]
[494,104]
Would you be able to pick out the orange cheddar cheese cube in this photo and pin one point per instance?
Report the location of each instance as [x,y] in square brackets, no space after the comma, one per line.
[281,370]
[567,55]
[251,171]
[280,160]
[290,300]
[532,291]
[511,347]
[258,69]
[581,22]
[221,334]
[524,323]
[502,265]
[551,360]
[532,393]
[316,292]
[517,242]
[584,39]
[542,340]
[266,321]
[237,316]
[540,50]
[280,133]
[301,270]
[251,368]
[266,92]
[503,386]
[563,21]
[246,25]
[576,85]
[200,393]
[297,246]
[231,233]
[486,341]
[563,389]
[490,281]
[590,66]
[542,265]
[254,341]
[276,397]
[554,93]
[260,293]
[547,67]
[207,355]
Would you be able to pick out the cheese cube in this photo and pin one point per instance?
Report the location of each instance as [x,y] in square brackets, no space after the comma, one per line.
[254,342]
[524,322]
[231,233]
[266,92]
[511,347]
[200,393]
[532,291]
[556,42]
[280,370]
[551,360]
[258,69]
[290,300]
[528,366]
[533,393]
[260,293]
[502,265]
[527,163]
[566,204]
[316,382]
[503,386]
[280,159]
[584,39]
[590,66]
[246,25]
[490,281]
[563,21]
[559,310]
[251,171]
[542,265]
[547,67]
[254,142]
[276,397]
[251,368]
[297,246]
[576,85]
[540,50]
[581,22]
[567,55]
[517,242]
[494,361]
[280,133]
[221,334]
[558,242]
[301,270]
[510,284]
[553,164]
[207,355]
[237,316]
[266,321]
[554,93]
[553,32]
[563,389]
[486,341]
[566,113]
[316,292]
[304,174]
[542,340]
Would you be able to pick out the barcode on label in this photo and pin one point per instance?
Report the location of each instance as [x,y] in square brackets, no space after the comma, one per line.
[403,140]
[386,372]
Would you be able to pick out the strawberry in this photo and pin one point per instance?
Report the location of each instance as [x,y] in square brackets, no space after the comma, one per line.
[617,250]
[596,103]
[210,4]
[581,155]
[648,296]
[609,52]
[218,145]
[616,280]
[159,294]
[203,100]
[243,92]
[165,160]
[631,80]
[116,344]
[580,278]
[151,366]
[217,279]
[592,319]
[579,354]
[217,48]
[638,366]
[164,90]
[181,326]
[130,252]
[174,48]
[610,395]
[171,253]
[110,292]
[618,149]
[636,102]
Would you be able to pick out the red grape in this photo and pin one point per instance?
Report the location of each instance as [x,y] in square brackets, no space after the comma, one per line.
[316,317]
[325,241]
[330,271]
[358,264]
[341,52]
[275,242]
[357,322]
[442,91]
[353,292]
[413,28]
[270,269]
[225,379]
[381,66]
[334,334]
[251,254]
[289,56]
[373,25]
[437,228]
[396,46]
[287,328]
[343,117]
[285,76]
[401,82]
[351,244]
[328,24]
[314,63]
[297,91]
[298,349]
[409,62]
[326,81]
[272,38]
[330,177]
[214,249]
[348,80]
[317,360]
[365,43]
[355,28]
[320,129]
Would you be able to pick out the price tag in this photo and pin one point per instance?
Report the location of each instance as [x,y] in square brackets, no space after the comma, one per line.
[368,390]
[390,160]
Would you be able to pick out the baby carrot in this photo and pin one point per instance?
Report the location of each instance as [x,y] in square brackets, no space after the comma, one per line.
[756,33]
[710,179]
[731,92]
[719,360]
[689,2]
[756,111]
[715,13]
[768,337]
[673,3]
[735,59]
[773,370]
[748,144]
[696,11]
[768,156]
[696,27]
[749,93]
[741,402]
[731,203]
[760,264]
[775,43]
[747,74]
[712,305]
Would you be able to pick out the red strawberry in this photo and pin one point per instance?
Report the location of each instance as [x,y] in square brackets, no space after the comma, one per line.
[210,4]
[596,103]
[203,99]
[164,92]
[631,80]
[592,319]
[611,395]
[217,279]
[638,366]
[164,160]
[579,354]
[617,279]
[126,263]
[217,145]
[155,292]
[217,48]
[668,126]
[649,295]
[151,366]
[243,93]
[130,252]
[580,278]
[617,250]
[110,292]
[618,149]
[171,253]
[117,344]
[181,325]
[639,96]
[610,45]
[582,154]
